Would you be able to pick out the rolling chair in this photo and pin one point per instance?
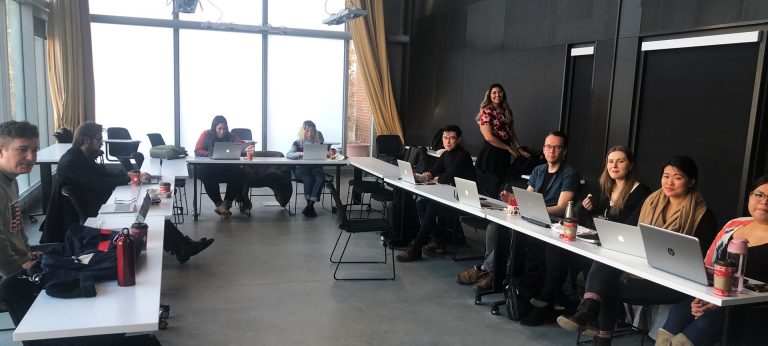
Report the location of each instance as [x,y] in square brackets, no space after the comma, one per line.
[355,226]
[63,135]
[73,196]
[243,133]
[122,150]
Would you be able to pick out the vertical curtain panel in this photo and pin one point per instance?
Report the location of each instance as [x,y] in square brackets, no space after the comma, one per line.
[370,44]
[70,63]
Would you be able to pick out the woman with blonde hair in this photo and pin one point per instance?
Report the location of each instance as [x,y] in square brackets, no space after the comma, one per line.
[312,175]
[501,143]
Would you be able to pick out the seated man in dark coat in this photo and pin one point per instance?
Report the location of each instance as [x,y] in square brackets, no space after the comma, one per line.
[95,184]
[454,162]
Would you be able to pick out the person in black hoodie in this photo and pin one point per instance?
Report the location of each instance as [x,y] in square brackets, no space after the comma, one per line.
[95,184]
[455,161]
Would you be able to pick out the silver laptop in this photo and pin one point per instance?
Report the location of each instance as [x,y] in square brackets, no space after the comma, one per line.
[532,207]
[620,237]
[125,202]
[144,209]
[315,151]
[674,253]
[466,191]
[406,174]
[226,151]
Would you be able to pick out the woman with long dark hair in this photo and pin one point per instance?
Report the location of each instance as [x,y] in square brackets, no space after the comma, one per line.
[501,143]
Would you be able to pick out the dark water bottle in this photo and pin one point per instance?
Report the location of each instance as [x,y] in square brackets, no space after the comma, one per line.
[126,259]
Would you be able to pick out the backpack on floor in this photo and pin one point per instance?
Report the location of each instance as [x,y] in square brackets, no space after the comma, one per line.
[517,294]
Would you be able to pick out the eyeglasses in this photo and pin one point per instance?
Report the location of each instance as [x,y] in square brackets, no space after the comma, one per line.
[553,147]
[759,196]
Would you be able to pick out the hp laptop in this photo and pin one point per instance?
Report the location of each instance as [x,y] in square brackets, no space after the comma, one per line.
[315,151]
[532,207]
[674,253]
[226,151]
[125,202]
[406,174]
[620,237]
[466,191]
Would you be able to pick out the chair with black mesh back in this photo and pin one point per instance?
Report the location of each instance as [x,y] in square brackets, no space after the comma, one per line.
[297,180]
[75,199]
[180,185]
[243,133]
[389,148]
[355,226]
[63,135]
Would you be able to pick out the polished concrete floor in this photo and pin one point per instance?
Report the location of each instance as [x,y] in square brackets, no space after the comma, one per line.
[267,281]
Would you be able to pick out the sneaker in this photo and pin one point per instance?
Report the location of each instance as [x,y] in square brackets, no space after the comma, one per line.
[485,283]
[409,255]
[470,276]
[189,248]
[223,210]
[435,248]
[585,318]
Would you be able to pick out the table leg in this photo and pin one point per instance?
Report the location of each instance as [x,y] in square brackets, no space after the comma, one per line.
[194,195]
[338,178]
[46,181]
[357,175]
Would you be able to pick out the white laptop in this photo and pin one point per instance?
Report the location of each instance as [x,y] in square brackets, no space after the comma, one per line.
[466,191]
[125,202]
[406,174]
[620,237]
[532,207]
[226,151]
[674,253]
[315,151]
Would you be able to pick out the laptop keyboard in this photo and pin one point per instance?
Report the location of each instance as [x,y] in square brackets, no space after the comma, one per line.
[124,207]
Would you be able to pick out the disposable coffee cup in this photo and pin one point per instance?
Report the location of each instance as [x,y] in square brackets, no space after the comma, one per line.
[135,177]
[139,230]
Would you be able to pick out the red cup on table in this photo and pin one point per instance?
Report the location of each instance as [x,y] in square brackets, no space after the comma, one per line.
[135,177]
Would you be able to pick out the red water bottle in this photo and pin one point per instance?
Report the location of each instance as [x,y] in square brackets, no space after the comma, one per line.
[126,259]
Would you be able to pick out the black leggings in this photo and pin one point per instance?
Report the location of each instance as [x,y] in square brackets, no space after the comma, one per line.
[213,175]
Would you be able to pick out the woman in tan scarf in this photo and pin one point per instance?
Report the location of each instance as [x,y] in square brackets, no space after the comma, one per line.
[676,206]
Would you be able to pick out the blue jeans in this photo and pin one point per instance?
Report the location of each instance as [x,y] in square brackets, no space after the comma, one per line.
[704,330]
[313,178]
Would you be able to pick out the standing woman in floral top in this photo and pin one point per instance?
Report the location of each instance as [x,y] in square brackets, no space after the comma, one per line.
[501,143]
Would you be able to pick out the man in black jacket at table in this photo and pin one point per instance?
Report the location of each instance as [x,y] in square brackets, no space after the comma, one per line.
[94,185]
[453,162]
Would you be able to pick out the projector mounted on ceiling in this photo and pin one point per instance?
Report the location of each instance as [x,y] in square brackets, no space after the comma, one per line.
[185,6]
[344,16]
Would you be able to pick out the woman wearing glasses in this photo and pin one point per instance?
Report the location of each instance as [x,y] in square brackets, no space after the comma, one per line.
[678,207]
[501,143]
[697,322]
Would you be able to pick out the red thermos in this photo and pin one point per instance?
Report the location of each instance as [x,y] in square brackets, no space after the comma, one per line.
[126,259]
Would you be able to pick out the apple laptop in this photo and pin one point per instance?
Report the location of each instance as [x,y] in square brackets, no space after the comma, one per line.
[124,202]
[675,253]
[315,151]
[466,191]
[532,207]
[226,151]
[144,209]
[406,174]
[620,237]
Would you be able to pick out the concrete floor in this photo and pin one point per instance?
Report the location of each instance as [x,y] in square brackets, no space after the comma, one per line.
[267,281]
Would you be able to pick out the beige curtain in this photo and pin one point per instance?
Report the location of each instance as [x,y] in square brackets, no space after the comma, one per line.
[70,63]
[371,47]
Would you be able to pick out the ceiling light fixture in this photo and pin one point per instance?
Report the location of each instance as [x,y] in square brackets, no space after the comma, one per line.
[344,16]
[185,6]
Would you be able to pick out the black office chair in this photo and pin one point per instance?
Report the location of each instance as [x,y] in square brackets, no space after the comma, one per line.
[389,148]
[277,178]
[243,133]
[73,195]
[63,135]
[155,139]
[118,150]
[477,224]
[381,226]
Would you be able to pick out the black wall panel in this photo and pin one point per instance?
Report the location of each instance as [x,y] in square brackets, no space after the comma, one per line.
[660,16]
[696,102]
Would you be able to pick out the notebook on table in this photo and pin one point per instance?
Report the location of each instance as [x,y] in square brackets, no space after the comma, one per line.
[125,202]
[466,191]
[620,237]
[406,174]
[532,207]
[226,151]
[315,151]
[674,253]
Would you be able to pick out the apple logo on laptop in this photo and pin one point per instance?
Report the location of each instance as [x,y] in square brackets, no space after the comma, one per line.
[227,150]
[466,192]
[621,238]
[671,251]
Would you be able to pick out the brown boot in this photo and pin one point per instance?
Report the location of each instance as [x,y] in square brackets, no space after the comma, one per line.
[471,276]
[413,253]
[663,337]
[485,283]
[680,340]
[585,318]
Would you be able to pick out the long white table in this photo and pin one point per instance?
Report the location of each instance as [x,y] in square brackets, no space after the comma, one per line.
[106,313]
[375,167]
[155,166]
[164,208]
[46,158]
[194,162]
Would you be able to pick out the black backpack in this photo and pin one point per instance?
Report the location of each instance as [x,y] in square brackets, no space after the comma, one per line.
[418,158]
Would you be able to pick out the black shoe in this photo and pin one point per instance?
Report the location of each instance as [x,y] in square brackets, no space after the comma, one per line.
[189,248]
[585,318]
[598,341]
[539,316]
[309,211]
